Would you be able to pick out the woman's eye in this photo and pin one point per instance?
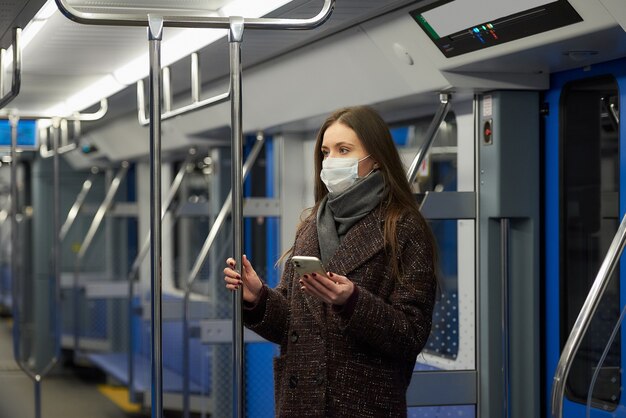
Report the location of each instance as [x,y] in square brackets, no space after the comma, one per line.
[325,153]
[344,151]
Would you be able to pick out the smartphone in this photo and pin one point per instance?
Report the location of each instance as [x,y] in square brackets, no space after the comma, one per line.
[307,265]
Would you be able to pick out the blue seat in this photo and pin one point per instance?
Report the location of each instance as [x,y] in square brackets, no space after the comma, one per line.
[116,364]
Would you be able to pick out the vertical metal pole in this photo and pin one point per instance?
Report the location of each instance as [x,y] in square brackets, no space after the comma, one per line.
[186,352]
[195,78]
[13,120]
[235,36]
[56,266]
[15,263]
[131,342]
[75,283]
[65,134]
[155,34]
[504,273]
[37,396]
[167,89]
[477,241]
[56,243]
[2,54]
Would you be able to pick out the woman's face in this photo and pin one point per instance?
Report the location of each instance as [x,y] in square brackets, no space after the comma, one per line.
[339,141]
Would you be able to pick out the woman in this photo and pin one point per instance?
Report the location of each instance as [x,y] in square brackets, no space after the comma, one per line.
[349,339]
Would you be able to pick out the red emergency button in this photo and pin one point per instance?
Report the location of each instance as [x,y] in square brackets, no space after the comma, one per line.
[487,133]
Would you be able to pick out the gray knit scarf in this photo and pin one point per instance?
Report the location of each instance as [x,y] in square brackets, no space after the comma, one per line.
[338,213]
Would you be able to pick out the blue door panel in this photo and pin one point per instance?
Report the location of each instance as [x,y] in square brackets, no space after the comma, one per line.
[552,193]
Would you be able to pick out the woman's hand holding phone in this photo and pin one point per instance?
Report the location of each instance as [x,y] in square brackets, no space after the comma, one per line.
[249,280]
[331,288]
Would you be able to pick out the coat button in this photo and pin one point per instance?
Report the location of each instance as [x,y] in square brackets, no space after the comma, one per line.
[293,381]
[319,380]
[294,337]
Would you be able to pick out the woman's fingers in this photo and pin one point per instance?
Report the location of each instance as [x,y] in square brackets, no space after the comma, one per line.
[231,276]
[338,278]
[228,272]
[333,289]
[246,280]
[316,285]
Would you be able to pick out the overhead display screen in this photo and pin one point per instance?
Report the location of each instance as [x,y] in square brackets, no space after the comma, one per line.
[461,26]
[26,134]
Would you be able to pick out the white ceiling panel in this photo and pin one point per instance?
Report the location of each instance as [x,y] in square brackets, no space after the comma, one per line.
[65,47]
[65,57]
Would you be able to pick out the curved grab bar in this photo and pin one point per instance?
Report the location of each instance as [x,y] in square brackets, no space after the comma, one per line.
[584,318]
[16,84]
[45,152]
[89,117]
[199,18]
[196,105]
[84,117]
[431,132]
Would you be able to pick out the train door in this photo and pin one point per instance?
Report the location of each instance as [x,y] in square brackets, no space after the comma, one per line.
[584,203]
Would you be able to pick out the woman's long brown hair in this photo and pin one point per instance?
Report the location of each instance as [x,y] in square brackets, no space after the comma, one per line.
[375,137]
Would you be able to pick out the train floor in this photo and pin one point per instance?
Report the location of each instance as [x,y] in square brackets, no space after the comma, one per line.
[67,392]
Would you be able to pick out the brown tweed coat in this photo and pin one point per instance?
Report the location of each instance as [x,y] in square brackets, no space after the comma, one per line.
[361,366]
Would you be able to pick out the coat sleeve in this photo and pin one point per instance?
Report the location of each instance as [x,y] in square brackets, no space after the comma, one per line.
[270,317]
[400,325]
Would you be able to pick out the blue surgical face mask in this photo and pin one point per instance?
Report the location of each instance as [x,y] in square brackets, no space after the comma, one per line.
[340,173]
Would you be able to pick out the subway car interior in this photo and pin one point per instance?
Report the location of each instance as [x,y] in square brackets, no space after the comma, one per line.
[144,142]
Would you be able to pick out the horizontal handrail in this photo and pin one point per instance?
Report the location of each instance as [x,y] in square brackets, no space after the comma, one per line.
[190,18]
[16,83]
[584,318]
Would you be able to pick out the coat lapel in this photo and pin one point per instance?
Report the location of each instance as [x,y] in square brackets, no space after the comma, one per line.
[362,241]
